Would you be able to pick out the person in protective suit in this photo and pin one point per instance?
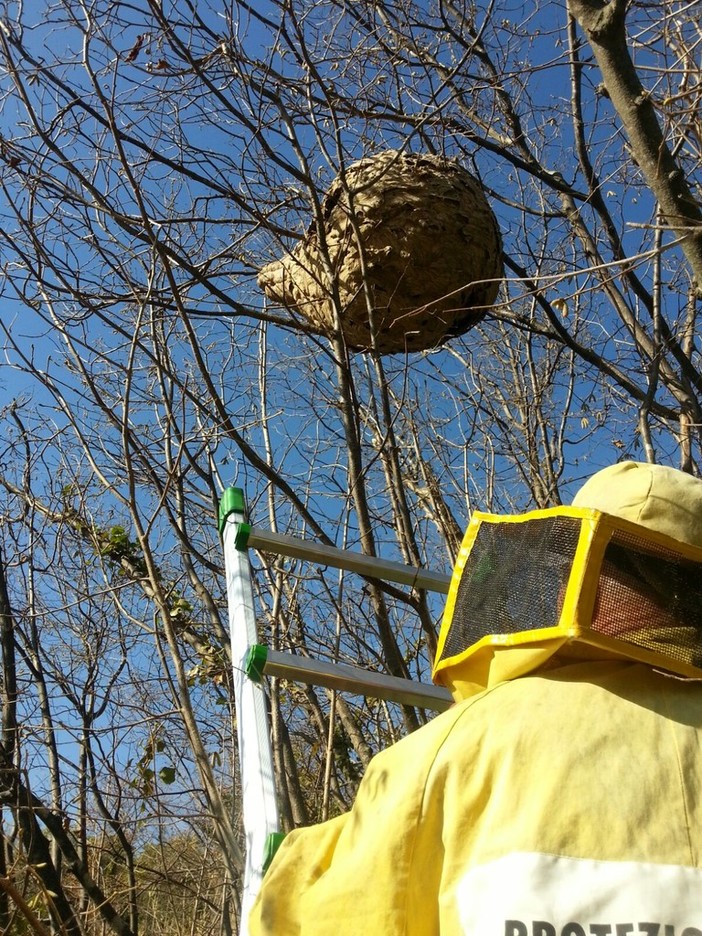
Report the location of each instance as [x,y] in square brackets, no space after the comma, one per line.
[562,794]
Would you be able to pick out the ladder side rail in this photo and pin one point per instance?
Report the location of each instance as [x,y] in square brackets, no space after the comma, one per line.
[259,805]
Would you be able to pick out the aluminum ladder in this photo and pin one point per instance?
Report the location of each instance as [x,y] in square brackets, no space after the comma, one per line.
[251,661]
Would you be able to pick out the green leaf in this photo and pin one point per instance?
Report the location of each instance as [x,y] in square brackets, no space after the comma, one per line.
[167,775]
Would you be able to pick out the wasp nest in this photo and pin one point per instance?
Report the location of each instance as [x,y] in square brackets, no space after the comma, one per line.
[414,255]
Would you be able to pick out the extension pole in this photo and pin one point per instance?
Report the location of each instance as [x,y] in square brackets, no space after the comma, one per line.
[259,806]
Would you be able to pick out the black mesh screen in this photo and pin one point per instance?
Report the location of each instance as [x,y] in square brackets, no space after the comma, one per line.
[651,598]
[514,579]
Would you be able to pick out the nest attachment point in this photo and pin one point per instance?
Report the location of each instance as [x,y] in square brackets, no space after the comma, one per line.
[413,256]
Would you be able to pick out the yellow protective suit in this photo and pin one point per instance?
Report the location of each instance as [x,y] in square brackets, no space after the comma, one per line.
[560,796]
[561,804]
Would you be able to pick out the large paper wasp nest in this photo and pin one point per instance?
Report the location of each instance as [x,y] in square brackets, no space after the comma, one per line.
[429,262]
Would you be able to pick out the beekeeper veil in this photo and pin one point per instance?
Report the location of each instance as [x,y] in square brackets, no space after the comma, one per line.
[616,575]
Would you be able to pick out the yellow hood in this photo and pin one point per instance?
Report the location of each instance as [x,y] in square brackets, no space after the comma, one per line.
[659,509]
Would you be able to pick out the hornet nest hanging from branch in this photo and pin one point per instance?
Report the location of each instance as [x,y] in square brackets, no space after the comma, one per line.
[413,251]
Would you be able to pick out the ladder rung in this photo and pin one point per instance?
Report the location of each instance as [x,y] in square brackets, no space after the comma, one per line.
[354,679]
[369,566]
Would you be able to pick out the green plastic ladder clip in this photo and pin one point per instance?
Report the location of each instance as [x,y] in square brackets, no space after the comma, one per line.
[255,662]
[241,537]
[231,501]
[273,843]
